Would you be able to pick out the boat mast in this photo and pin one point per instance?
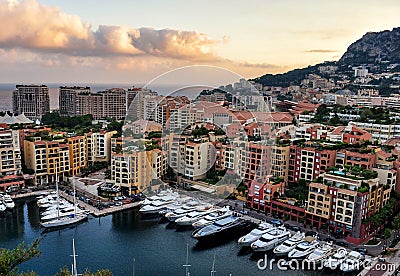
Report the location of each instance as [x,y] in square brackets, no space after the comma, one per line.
[74,269]
[58,197]
[73,180]
[187,265]
[213,271]
[133,273]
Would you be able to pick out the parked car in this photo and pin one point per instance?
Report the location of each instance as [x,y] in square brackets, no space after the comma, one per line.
[276,222]
[118,203]
[342,244]
[361,250]
[294,228]
[311,234]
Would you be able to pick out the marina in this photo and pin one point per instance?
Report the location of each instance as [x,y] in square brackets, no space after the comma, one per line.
[129,226]
[123,236]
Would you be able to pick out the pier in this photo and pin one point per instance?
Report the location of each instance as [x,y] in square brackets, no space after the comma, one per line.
[104,212]
[92,210]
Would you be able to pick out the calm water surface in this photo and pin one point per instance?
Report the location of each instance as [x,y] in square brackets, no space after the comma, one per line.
[113,241]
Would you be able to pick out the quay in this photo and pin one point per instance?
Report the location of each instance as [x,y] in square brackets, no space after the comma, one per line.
[104,212]
[92,210]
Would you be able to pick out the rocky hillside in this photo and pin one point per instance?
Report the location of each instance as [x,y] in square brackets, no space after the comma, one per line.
[373,48]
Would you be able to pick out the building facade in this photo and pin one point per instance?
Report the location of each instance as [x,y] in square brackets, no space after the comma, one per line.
[31,100]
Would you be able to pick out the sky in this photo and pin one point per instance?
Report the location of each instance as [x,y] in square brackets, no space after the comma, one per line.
[125,41]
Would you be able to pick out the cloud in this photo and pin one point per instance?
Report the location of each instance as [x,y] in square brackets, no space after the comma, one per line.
[321,51]
[324,34]
[32,26]
[260,65]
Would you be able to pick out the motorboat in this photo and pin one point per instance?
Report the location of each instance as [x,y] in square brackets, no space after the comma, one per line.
[183,211]
[255,234]
[8,202]
[288,245]
[159,197]
[62,205]
[271,239]
[352,262]
[2,205]
[219,228]
[322,252]
[334,261]
[63,213]
[304,248]
[192,217]
[51,198]
[156,206]
[180,202]
[212,217]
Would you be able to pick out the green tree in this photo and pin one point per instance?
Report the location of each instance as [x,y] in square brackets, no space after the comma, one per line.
[10,259]
[387,234]
[102,272]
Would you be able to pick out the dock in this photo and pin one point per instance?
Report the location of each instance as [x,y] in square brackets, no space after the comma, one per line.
[92,210]
[104,212]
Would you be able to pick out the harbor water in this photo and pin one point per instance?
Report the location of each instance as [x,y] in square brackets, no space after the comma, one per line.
[122,242]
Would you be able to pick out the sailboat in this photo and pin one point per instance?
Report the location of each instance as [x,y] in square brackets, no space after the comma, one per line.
[65,220]
[74,268]
[187,265]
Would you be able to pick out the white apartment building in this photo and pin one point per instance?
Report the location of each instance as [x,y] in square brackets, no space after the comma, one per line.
[10,153]
[380,132]
[99,146]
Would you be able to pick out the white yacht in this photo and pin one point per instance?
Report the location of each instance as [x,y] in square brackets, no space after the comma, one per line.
[212,217]
[2,205]
[192,217]
[8,202]
[320,253]
[271,238]
[180,202]
[54,207]
[184,210]
[62,213]
[353,262]
[156,206]
[47,201]
[255,234]
[288,245]
[335,260]
[304,248]
[160,196]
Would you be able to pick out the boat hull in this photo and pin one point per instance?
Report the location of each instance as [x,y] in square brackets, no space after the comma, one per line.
[270,246]
[227,233]
[64,221]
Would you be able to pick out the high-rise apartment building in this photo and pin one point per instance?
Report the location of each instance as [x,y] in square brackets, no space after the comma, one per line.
[75,100]
[31,100]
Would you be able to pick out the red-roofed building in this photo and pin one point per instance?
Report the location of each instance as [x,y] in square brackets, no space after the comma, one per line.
[353,135]
[261,192]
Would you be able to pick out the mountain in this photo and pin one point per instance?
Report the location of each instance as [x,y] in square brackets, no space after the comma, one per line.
[373,48]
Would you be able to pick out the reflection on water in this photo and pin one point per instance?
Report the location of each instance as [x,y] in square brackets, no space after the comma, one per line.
[113,241]
[12,223]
